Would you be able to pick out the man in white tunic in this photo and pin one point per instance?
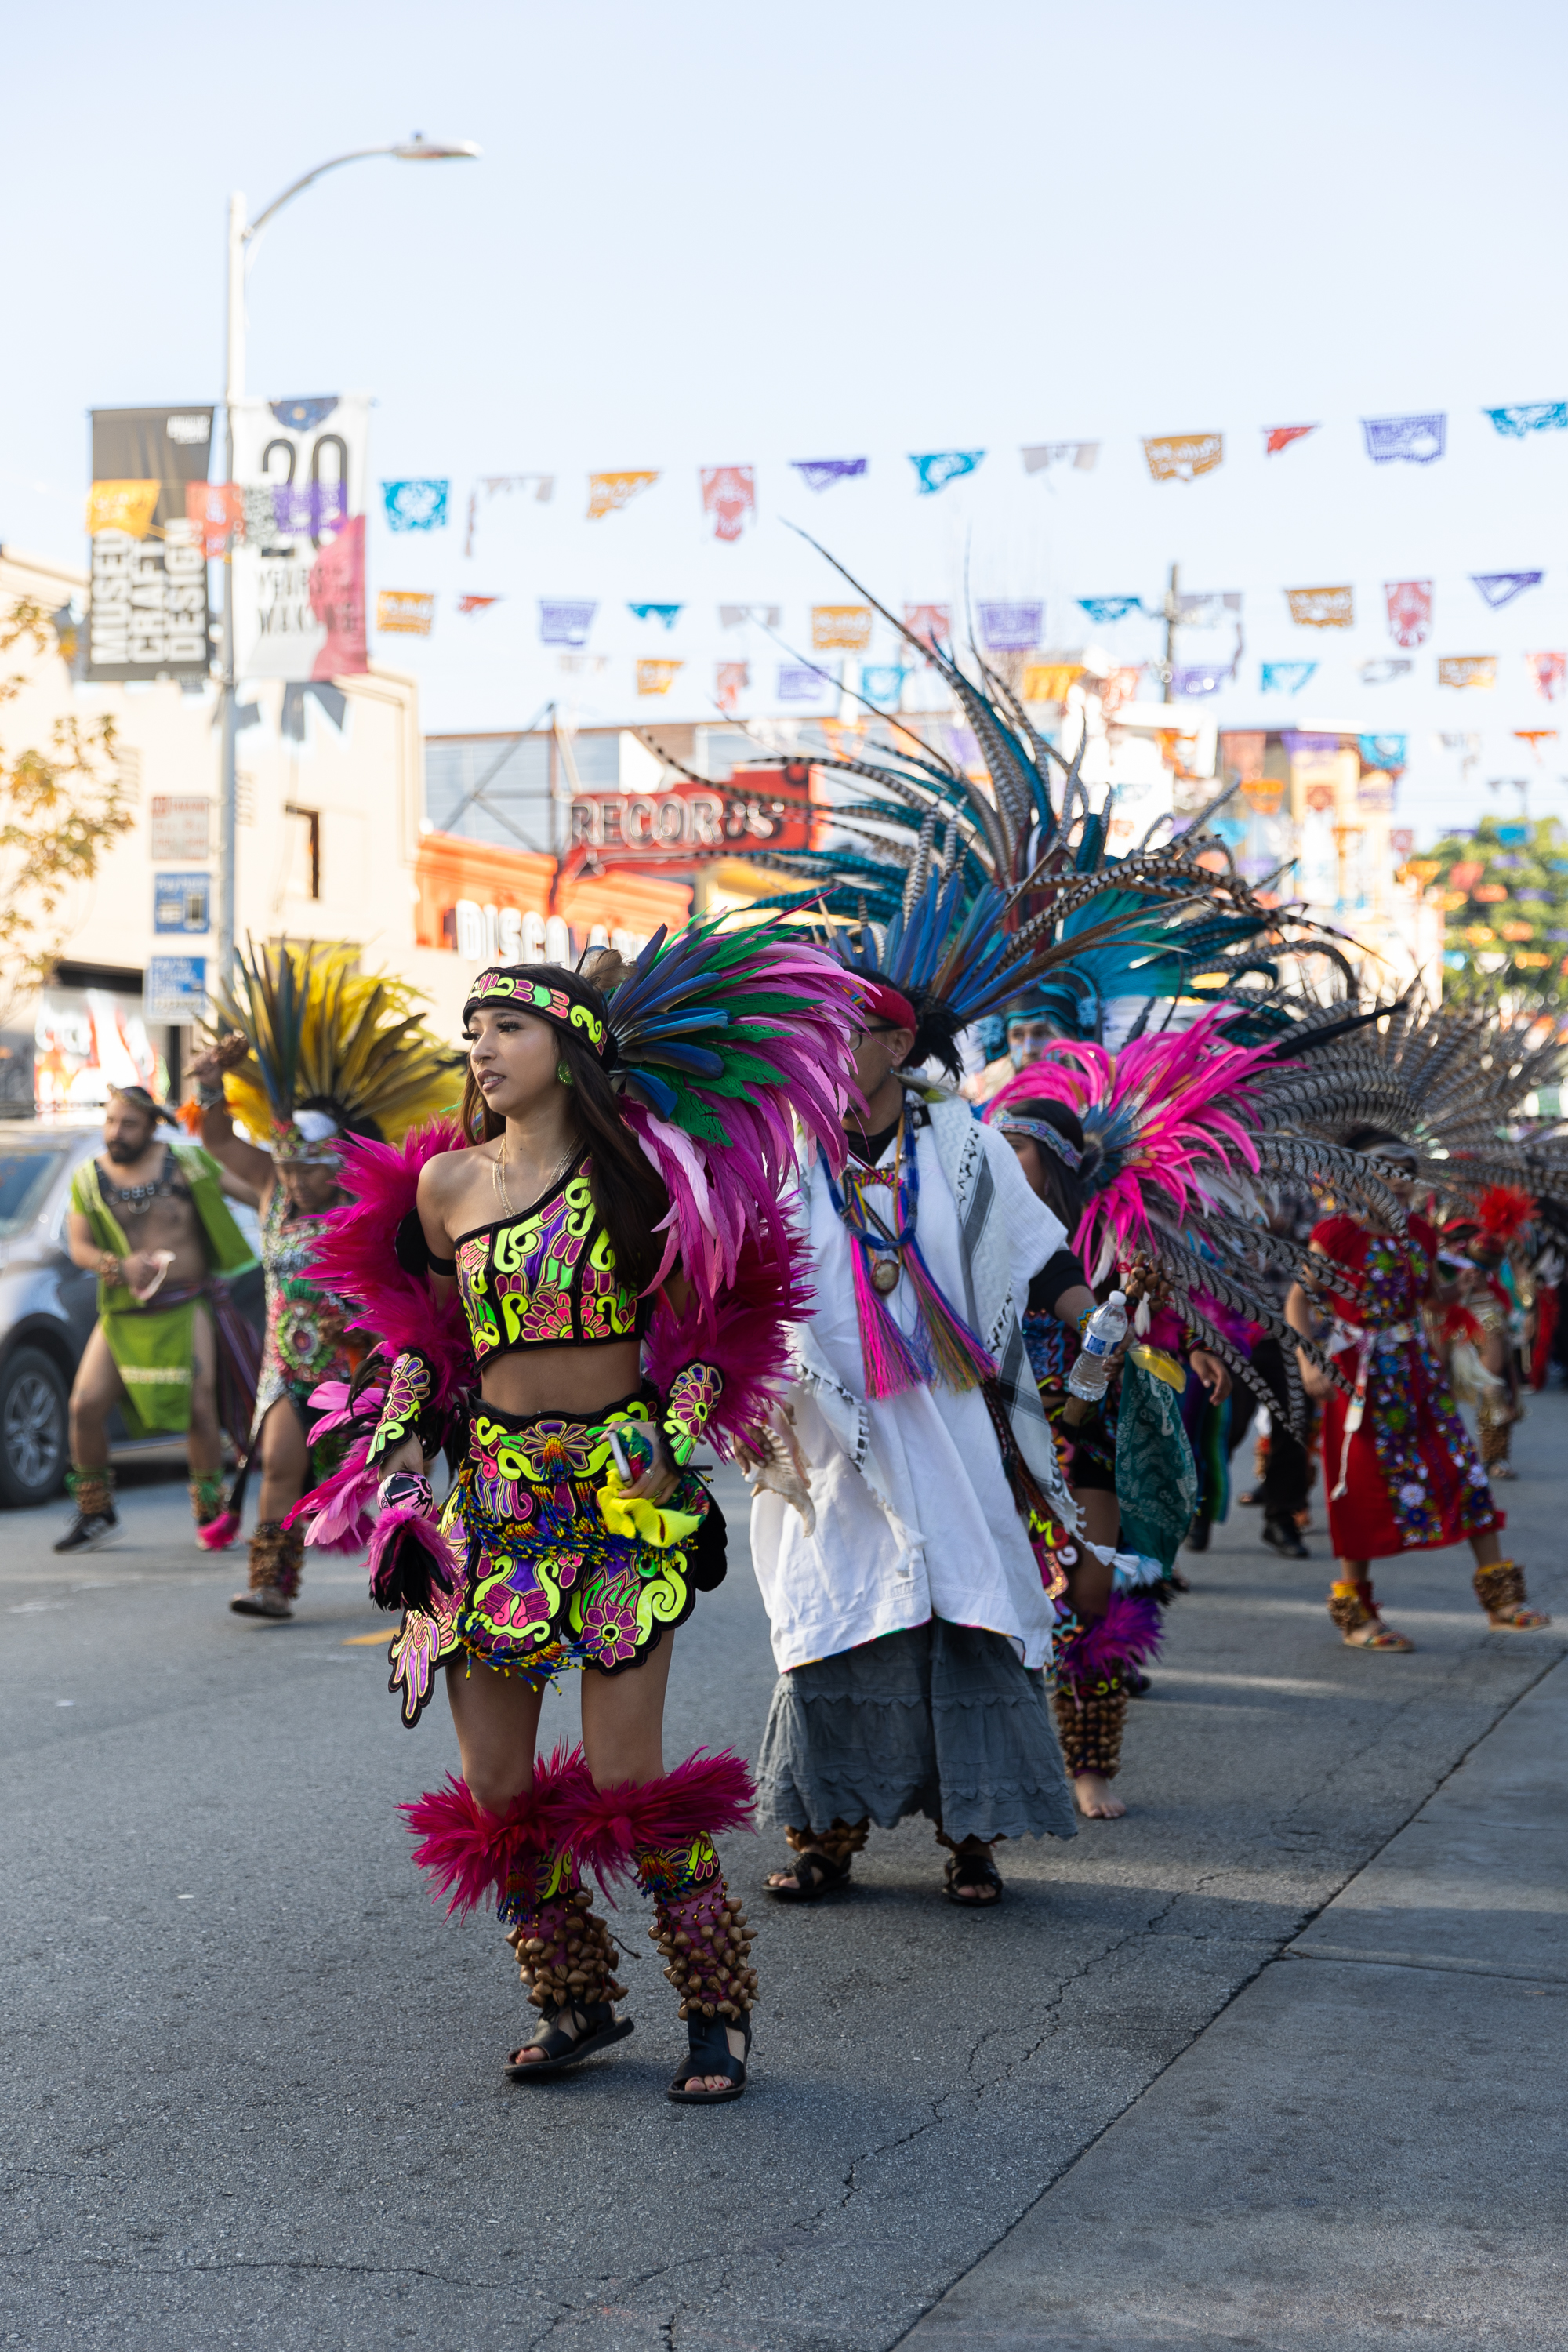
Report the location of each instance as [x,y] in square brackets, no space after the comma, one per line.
[909,1598]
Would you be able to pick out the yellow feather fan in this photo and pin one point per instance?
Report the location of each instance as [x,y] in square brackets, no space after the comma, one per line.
[321,1030]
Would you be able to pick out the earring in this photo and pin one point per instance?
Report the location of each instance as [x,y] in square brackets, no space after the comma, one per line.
[564,1074]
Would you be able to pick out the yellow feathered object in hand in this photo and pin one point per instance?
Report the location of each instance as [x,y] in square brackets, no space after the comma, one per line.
[322,1032]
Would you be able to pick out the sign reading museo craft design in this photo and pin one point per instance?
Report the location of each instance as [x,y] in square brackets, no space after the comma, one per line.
[761,807]
[149,612]
[299,578]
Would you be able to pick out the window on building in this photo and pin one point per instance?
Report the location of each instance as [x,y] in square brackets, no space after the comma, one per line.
[302,878]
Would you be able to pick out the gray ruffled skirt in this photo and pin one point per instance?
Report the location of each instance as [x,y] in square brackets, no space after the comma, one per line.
[939,1719]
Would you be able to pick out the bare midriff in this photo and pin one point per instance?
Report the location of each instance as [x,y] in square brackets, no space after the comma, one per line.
[570,1378]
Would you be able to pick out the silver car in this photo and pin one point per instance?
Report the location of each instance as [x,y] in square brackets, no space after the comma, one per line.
[48,1306]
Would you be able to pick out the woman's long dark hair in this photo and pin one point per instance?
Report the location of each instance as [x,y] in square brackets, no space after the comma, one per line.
[628,1190]
[1064,1191]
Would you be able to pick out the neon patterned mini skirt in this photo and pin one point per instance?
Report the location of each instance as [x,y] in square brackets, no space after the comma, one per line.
[555,1570]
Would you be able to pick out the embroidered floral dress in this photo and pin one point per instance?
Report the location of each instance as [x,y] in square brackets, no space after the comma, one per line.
[554,1571]
[305,1343]
[1401,1473]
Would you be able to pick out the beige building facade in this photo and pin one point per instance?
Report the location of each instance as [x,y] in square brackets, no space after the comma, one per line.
[329,841]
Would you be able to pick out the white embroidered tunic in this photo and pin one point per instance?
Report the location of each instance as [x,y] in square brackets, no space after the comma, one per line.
[915,1517]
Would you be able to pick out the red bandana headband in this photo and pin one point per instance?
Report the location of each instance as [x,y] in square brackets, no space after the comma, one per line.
[495,987]
[884,999]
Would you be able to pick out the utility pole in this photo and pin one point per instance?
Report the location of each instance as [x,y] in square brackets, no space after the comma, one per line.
[232,392]
[1173,614]
[241,232]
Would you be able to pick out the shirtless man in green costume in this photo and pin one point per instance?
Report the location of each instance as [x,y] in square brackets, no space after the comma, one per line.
[147,1217]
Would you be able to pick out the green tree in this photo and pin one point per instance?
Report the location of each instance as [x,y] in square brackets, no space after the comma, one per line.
[61,809]
[1504,893]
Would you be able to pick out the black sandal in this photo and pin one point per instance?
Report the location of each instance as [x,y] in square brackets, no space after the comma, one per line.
[816,1873]
[601,2026]
[709,2054]
[972,1870]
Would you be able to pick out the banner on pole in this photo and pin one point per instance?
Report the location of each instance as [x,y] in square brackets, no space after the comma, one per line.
[841,628]
[404,613]
[1531,417]
[1182,457]
[821,473]
[300,469]
[932,624]
[657,677]
[1011,628]
[1041,455]
[608,493]
[1468,669]
[798,683]
[1279,436]
[1548,671]
[1419,440]
[730,496]
[1103,610]
[731,680]
[1385,751]
[414,506]
[148,613]
[1384,672]
[667,614]
[882,683]
[489,485]
[565,620]
[937,467]
[1500,588]
[1409,611]
[732,616]
[1321,608]
[1285,677]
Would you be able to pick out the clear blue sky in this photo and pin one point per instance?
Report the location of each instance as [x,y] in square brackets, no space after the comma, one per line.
[706,233]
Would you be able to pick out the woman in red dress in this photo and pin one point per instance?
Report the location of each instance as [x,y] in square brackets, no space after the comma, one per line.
[1400,1470]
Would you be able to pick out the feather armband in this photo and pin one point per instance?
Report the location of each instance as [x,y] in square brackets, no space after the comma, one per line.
[404,1405]
[693,1397]
[410,1559]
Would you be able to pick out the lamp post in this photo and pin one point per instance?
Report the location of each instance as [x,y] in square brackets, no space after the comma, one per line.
[417,150]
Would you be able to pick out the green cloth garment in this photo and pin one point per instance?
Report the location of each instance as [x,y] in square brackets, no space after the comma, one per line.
[1156,1477]
[154,1346]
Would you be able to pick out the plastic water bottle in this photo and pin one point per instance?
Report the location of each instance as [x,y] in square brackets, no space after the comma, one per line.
[1103,1334]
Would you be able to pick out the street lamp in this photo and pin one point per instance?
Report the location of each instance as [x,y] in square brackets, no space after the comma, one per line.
[417,150]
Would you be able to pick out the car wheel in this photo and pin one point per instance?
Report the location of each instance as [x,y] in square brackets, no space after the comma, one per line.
[33,1427]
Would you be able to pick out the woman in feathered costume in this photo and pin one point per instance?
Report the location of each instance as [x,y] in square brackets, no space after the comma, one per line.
[1138,1152]
[313,1050]
[1434,1098]
[595,1249]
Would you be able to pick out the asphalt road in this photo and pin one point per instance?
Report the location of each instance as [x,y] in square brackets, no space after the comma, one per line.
[254,2094]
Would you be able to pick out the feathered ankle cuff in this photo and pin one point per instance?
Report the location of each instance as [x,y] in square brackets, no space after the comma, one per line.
[701,1799]
[471,1853]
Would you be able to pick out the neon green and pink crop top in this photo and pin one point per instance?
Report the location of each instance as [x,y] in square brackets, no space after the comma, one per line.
[545,1277]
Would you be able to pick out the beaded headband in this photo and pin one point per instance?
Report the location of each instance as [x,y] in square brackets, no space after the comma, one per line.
[1041,1132]
[496,987]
